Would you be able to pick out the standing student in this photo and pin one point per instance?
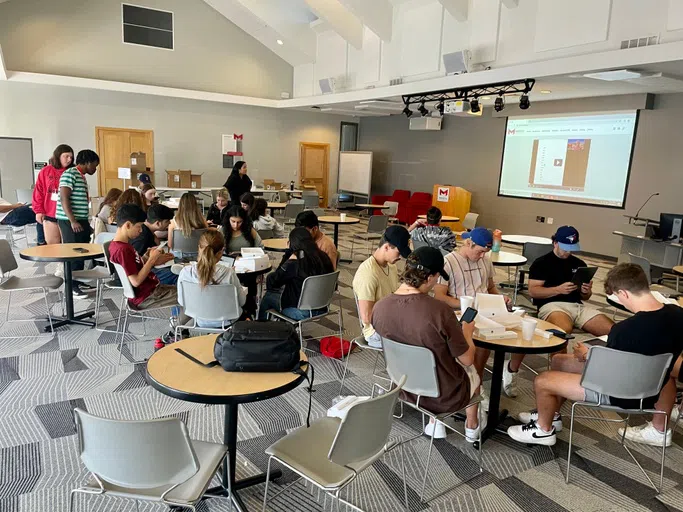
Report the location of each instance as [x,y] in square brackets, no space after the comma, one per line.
[262,220]
[143,180]
[129,196]
[158,219]
[46,192]
[188,218]
[215,213]
[309,220]
[238,182]
[108,204]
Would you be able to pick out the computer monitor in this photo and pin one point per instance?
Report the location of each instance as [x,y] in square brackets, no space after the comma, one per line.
[345,198]
[670,226]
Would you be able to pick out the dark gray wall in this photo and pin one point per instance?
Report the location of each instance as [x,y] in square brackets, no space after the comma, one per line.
[467,153]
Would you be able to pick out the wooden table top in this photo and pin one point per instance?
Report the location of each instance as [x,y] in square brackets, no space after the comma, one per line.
[277,205]
[175,375]
[537,345]
[445,218]
[507,259]
[373,206]
[276,244]
[526,239]
[61,252]
[336,219]
[678,270]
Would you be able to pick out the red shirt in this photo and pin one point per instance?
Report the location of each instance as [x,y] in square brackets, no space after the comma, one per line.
[125,255]
[47,184]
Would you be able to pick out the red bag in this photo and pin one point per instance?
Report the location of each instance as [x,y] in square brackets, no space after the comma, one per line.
[330,347]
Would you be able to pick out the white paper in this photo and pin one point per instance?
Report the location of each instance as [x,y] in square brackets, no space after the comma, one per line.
[133,161]
[124,172]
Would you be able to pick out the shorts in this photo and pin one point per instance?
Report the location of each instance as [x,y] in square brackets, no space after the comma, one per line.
[163,296]
[579,313]
[594,397]
[472,375]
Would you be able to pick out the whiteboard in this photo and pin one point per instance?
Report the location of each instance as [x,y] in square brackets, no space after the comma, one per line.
[355,172]
[16,166]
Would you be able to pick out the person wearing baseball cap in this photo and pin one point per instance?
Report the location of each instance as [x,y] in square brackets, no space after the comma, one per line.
[377,277]
[411,317]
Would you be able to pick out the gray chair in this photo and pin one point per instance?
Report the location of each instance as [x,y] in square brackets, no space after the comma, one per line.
[282,196]
[624,375]
[377,225]
[291,211]
[111,228]
[531,251]
[469,223]
[419,366]
[265,234]
[186,247]
[317,292]
[10,283]
[311,199]
[331,453]
[644,263]
[213,303]
[392,211]
[147,460]
[97,275]
[24,195]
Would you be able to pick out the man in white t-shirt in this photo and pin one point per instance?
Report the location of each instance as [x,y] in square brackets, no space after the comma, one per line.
[16,215]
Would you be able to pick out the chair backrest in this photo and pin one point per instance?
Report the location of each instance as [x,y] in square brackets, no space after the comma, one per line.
[216,302]
[187,245]
[104,237]
[293,209]
[360,320]
[317,291]
[105,250]
[624,374]
[392,210]
[416,363]
[532,251]
[296,200]
[643,263]
[7,260]
[319,212]
[128,290]
[378,223]
[282,196]
[311,199]
[265,234]
[136,454]
[365,430]
[111,228]
[470,221]
[24,195]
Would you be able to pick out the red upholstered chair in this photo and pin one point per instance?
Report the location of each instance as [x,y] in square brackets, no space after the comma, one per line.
[401,197]
[378,200]
[418,204]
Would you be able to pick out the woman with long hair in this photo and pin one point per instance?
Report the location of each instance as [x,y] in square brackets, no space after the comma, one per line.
[188,217]
[46,192]
[108,203]
[149,195]
[283,287]
[215,213]
[238,230]
[130,196]
[247,202]
[262,220]
[208,271]
[238,182]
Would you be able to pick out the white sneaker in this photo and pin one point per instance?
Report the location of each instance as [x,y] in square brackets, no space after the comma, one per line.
[60,271]
[526,417]
[646,434]
[674,415]
[472,434]
[176,268]
[484,399]
[437,428]
[509,382]
[531,433]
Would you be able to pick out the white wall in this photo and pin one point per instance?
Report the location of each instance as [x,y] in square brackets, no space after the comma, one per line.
[496,36]
[187,133]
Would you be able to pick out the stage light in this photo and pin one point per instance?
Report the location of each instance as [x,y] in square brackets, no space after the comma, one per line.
[474,106]
[499,104]
[440,108]
[407,111]
[422,110]
[524,102]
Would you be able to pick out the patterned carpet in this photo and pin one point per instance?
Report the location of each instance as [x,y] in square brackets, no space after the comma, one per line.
[43,377]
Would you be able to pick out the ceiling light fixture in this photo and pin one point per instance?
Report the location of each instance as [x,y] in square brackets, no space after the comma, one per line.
[407,111]
[280,42]
[499,104]
[440,107]
[474,106]
[615,74]
[545,91]
[423,110]
[486,97]
[524,102]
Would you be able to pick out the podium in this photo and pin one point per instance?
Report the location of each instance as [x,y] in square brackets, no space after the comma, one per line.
[454,201]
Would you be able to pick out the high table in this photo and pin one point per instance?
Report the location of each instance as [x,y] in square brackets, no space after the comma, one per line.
[173,374]
[276,244]
[526,239]
[277,206]
[336,220]
[67,254]
[445,218]
[369,207]
[537,345]
[508,259]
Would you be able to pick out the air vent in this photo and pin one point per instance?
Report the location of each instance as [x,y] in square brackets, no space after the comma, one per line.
[147,27]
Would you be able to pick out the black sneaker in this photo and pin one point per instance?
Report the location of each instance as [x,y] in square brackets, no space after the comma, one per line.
[78,293]
[85,286]
[169,337]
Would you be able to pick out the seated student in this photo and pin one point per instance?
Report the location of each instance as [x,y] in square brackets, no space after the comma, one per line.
[129,196]
[16,215]
[215,213]
[309,220]
[148,291]
[149,195]
[653,329]
[238,231]
[262,220]
[208,271]
[143,180]
[283,287]
[431,233]
[247,202]
[158,219]
[108,203]
[559,301]
[188,218]
[412,317]
[377,277]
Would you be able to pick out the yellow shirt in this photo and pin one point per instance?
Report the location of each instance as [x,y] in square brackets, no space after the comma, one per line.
[373,283]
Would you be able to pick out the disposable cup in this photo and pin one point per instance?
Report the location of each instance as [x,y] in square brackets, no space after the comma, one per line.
[342,216]
[528,328]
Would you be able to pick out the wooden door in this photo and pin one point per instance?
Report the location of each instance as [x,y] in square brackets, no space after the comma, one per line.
[314,167]
[114,146]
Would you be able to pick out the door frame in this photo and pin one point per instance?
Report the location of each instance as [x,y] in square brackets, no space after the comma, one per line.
[326,168]
[98,130]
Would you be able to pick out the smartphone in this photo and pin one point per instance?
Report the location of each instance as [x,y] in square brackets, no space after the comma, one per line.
[468,315]
[560,334]
[81,250]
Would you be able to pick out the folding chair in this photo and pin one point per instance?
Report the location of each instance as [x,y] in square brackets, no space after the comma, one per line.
[311,199]
[469,223]
[213,303]
[186,247]
[99,274]
[644,263]
[265,234]
[291,211]
[377,224]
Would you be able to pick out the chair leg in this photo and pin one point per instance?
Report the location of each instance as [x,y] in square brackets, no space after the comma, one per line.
[265,491]
[571,436]
[72,497]
[403,474]
[429,457]
[47,307]
[353,240]
[661,471]
[123,335]
[346,367]
[9,300]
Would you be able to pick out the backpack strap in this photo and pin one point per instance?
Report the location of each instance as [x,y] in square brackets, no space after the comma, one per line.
[195,360]
[299,371]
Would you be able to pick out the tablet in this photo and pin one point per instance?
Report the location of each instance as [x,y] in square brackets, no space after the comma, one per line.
[584,275]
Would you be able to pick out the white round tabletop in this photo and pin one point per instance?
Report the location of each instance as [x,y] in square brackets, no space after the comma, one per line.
[336,219]
[526,239]
[445,218]
[507,259]
[373,206]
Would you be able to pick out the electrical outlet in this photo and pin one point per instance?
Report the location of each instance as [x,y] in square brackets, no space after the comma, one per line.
[550,220]
[540,219]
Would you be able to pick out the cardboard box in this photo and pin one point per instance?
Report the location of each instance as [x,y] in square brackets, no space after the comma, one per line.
[138,162]
[178,178]
[195,181]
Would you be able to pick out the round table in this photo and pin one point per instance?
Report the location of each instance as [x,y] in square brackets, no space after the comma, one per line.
[173,374]
[506,259]
[276,244]
[370,206]
[678,270]
[66,254]
[277,206]
[526,239]
[445,218]
[173,205]
[537,345]
[336,220]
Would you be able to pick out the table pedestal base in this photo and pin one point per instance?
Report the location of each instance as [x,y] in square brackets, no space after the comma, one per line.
[58,321]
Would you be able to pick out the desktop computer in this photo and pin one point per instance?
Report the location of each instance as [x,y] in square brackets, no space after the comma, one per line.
[670,227]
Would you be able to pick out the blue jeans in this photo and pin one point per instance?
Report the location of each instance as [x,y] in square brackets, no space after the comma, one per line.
[20,217]
[271,300]
[165,275]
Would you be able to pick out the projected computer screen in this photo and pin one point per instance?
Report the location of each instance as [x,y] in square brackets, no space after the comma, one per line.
[583,158]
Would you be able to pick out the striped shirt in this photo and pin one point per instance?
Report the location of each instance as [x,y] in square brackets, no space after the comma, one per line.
[466,277]
[73,179]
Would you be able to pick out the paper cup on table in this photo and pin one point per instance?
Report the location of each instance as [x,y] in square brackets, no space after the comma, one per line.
[342,216]
[528,328]
[466,302]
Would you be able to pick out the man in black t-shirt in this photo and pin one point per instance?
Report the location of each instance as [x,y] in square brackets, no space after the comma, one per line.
[653,329]
[158,219]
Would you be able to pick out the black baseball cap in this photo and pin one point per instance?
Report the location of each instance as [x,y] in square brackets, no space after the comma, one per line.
[399,237]
[427,258]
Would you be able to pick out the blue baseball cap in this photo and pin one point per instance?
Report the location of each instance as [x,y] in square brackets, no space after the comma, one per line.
[144,178]
[567,237]
[480,236]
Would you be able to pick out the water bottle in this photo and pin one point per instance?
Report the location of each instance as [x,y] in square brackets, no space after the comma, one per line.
[291,185]
[497,240]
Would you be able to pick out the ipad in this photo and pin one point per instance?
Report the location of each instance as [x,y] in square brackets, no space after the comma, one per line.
[584,275]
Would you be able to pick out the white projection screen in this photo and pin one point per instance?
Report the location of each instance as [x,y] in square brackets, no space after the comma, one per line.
[579,158]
